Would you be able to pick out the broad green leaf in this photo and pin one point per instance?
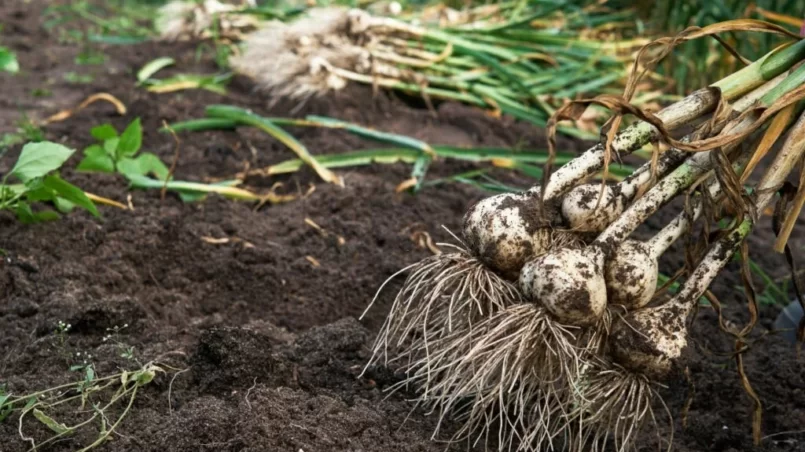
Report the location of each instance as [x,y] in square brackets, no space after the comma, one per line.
[153,165]
[153,67]
[96,159]
[25,214]
[63,205]
[145,164]
[8,61]
[71,193]
[131,139]
[111,147]
[37,192]
[12,190]
[103,132]
[38,159]
[51,423]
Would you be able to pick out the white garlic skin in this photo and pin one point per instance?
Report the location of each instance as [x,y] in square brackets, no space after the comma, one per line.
[650,340]
[631,275]
[569,282]
[579,207]
[505,231]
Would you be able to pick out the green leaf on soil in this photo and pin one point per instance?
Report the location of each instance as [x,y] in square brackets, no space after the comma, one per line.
[391,138]
[51,423]
[111,145]
[103,132]
[213,83]
[224,188]
[27,216]
[143,165]
[396,155]
[198,125]
[96,159]
[71,193]
[37,192]
[38,159]
[248,118]
[153,67]
[420,169]
[63,205]
[131,139]
[6,407]
[8,61]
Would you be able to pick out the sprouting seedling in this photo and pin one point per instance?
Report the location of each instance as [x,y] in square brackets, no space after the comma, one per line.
[61,332]
[27,132]
[113,336]
[121,153]
[36,170]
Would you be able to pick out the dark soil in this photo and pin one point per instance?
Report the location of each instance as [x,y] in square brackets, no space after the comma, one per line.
[269,340]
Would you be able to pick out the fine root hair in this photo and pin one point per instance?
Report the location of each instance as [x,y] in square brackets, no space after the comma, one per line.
[611,407]
[442,298]
[507,377]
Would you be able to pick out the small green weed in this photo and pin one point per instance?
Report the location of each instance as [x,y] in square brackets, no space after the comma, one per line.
[90,57]
[41,92]
[102,402]
[79,79]
[96,405]
[774,292]
[27,132]
[8,61]
[36,171]
[121,153]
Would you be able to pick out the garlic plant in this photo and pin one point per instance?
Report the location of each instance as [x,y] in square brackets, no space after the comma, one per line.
[547,317]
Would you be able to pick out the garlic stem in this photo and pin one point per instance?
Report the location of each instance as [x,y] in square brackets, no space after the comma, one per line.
[722,251]
[693,106]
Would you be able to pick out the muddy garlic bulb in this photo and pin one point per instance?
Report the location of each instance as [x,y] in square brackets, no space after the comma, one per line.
[507,230]
[631,275]
[569,283]
[582,211]
[648,341]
